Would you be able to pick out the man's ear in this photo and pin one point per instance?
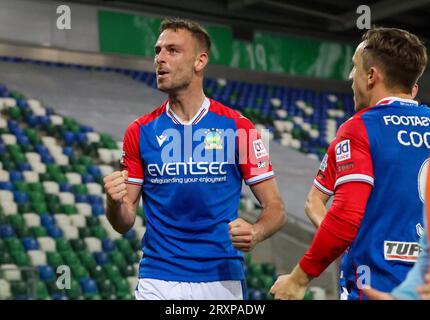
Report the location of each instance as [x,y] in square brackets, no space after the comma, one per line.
[201,61]
[373,77]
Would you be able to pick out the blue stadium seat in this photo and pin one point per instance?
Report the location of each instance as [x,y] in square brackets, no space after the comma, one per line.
[54,232]
[20,197]
[88,285]
[16,176]
[6,231]
[130,234]
[30,243]
[47,220]
[97,209]
[46,273]
[6,185]
[101,257]
[108,245]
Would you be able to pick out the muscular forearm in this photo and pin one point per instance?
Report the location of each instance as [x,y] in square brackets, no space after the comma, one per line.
[272,218]
[120,215]
[316,211]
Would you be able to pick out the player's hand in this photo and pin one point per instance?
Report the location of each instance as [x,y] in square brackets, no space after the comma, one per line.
[424,290]
[287,288]
[243,235]
[115,186]
[374,294]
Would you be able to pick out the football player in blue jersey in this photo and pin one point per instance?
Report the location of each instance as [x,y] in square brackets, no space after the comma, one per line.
[187,160]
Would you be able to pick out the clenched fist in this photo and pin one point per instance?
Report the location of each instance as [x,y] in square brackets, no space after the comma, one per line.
[115,186]
[243,235]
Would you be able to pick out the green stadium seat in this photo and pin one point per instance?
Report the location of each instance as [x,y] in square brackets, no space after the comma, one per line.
[128,271]
[53,287]
[63,245]
[118,259]
[98,232]
[36,187]
[20,258]
[78,245]
[133,257]
[78,270]
[23,232]
[122,286]
[124,246]
[84,233]
[112,271]
[87,260]
[52,199]
[42,291]
[18,288]
[38,232]
[136,245]
[68,209]
[39,207]
[16,221]
[20,186]
[106,287]
[14,244]
[75,292]
[69,257]
[24,208]
[92,221]
[97,272]
[54,259]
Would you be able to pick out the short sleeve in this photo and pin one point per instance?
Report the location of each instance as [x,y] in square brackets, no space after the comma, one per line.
[253,157]
[353,159]
[131,160]
[326,176]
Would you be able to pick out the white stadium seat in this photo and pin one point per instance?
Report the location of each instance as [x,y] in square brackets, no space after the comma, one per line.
[61,159]
[62,220]
[11,272]
[37,257]
[6,196]
[93,244]
[9,139]
[70,232]
[105,155]
[31,220]
[51,187]
[9,207]
[49,141]
[106,170]
[47,244]
[93,137]
[84,209]
[67,198]
[56,120]
[33,157]
[140,231]
[3,123]
[38,167]
[94,188]
[4,175]
[78,220]
[9,102]
[74,178]
[5,292]
[30,176]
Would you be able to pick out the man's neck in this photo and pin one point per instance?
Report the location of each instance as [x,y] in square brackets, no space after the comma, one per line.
[186,104]
[375,99]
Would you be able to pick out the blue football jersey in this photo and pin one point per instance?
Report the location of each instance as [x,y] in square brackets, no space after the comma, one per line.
[387,146]
[191,176]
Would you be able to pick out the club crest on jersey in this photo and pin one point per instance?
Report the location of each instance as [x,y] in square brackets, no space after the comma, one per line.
[213,139]
[259,149]
[343,151]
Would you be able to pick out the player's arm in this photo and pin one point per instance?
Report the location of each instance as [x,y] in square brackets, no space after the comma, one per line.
[315,205]
[124,188]
[122,201]
[244,235]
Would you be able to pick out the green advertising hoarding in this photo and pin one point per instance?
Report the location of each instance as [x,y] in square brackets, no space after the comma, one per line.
[124,33]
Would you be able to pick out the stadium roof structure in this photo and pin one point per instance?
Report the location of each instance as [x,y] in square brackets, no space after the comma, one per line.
[329,19]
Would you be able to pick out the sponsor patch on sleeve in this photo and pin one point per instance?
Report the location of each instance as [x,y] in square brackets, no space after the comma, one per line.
[259,149]
[343,151]
[323,164]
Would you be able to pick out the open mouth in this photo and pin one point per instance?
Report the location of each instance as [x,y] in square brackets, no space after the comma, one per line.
[161,73]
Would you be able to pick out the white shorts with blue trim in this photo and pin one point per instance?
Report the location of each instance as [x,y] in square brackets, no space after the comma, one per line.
[154,289]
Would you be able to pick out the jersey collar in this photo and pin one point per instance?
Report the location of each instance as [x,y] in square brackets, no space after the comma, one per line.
[197,117]
[389,100]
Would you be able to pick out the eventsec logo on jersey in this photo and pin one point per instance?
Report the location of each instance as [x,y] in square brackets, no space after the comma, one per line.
[343,151]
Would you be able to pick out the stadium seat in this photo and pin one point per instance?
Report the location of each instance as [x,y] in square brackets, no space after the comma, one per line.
[11,272]
[32,220]
[67,198]
[47,244]
[46,273]
[101,257]
[93,244]
[54,259]
[78,220]
[84,209]
[37,257]
[5,290]
[30,243]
